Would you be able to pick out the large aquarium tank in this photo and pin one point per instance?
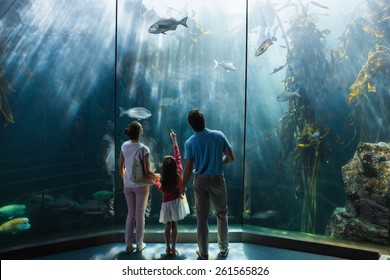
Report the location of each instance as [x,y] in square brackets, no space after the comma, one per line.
[300,88]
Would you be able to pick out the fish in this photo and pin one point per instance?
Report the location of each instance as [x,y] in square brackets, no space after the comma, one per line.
[15,225]
[163,25]
[287,95]
[264,46]
[139,113]
[316,135]
[384,19]
[63,203]
[278,68]
[319,5]
[92,207]
[265,215]
[102,196]
[13,210]
[168,101]
[227,65]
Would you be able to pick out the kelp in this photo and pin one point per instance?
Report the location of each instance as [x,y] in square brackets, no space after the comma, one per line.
[378,61]
[369,97]
[369,90]
[309,152]
[319,75]
[302,139]
[5,107]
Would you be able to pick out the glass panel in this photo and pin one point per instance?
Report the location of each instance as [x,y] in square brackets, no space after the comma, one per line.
[296,86]
[317,87]
[198,61]
[57,92]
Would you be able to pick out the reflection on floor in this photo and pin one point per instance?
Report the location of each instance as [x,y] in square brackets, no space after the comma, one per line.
[156,251]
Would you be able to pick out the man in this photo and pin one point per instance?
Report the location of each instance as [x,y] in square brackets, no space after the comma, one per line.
[208,150]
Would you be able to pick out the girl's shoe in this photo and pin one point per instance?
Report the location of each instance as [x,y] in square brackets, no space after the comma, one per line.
[174,253]
[168,252]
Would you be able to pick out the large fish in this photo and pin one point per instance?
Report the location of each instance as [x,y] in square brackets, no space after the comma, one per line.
[15,225]
[287,95]
[264,46]
[166,24]
[13,210]
[227,65]
[168,101]
[139,113]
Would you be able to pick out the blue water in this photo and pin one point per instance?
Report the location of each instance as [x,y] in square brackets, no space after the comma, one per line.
[67,67]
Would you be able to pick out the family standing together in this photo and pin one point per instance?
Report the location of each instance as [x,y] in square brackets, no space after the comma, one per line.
[205,152]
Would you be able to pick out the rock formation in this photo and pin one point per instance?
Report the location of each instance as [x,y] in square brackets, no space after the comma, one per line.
[366,215]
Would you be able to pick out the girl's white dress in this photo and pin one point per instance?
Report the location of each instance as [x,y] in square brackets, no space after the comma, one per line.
[174,207]
[174,210]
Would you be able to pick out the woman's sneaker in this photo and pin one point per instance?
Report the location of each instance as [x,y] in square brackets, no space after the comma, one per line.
[140,248]
[129,249]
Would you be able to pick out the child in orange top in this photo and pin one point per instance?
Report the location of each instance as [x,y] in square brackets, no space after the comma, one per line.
[174,206]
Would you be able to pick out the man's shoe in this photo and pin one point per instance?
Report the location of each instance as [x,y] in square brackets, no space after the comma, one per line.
[224,253]
[140,248]
[202,257]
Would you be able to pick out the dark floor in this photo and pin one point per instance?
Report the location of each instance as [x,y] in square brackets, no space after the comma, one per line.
[187,251]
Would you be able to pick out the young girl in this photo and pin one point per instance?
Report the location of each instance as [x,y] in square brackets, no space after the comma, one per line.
[174,205]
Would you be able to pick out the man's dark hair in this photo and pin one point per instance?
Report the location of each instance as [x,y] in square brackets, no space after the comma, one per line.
[196,120]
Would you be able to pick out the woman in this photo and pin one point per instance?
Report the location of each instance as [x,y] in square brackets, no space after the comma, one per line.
[136,195]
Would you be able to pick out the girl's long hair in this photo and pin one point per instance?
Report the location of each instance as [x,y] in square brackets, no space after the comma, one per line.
[170,179]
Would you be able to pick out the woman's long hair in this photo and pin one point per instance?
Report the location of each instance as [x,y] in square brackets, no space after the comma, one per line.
[170,179]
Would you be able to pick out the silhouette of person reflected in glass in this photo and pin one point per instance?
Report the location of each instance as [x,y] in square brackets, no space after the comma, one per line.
[107,156]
